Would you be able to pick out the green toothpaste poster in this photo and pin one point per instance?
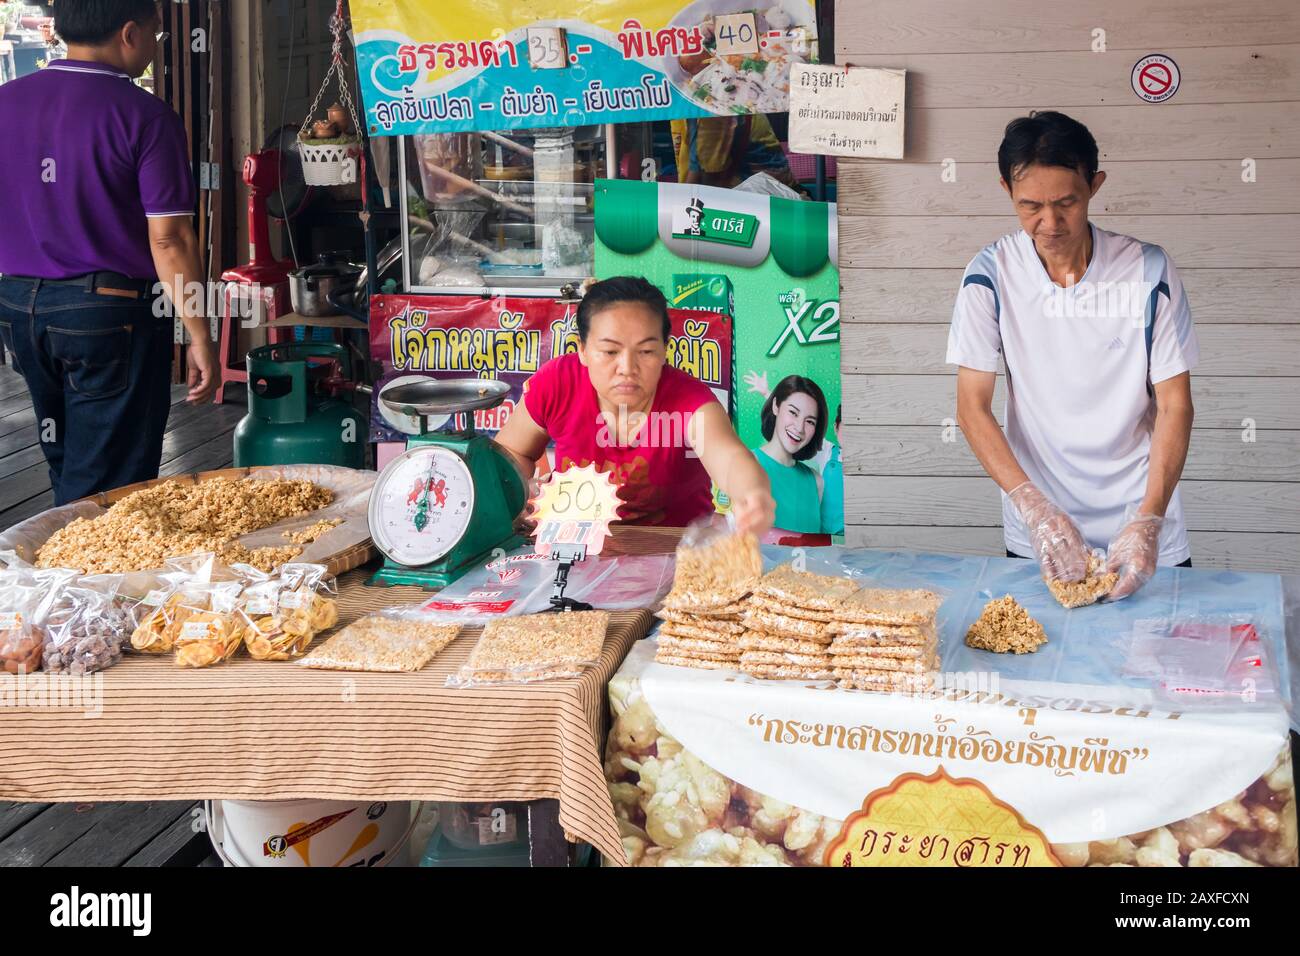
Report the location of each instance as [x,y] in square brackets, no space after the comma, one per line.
[769,263]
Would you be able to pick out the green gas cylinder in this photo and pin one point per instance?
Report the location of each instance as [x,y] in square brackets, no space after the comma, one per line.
[292,418]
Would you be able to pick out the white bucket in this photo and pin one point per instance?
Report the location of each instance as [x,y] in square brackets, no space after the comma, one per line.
[295,833]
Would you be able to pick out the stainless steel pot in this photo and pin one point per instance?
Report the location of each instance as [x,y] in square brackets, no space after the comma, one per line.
[310,287]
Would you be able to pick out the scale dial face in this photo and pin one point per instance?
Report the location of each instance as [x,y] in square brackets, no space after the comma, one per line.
[421,505]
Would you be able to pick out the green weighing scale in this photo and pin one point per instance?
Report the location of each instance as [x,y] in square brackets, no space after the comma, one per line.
[445,503]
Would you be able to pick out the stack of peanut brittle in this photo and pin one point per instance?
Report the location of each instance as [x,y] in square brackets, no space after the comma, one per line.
[787,624]
[701,613]
[885,639]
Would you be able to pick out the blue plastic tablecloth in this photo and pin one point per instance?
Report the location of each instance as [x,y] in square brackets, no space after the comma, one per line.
[1086,645]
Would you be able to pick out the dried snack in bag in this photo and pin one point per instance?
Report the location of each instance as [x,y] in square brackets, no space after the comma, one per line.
[286,613]
[214,627]
[534,647]
[161,612]
[716,567]
[87,627]
[378,642]
[26,597]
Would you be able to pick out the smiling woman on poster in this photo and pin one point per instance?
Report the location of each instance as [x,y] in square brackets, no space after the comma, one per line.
[616,403]
[794,424]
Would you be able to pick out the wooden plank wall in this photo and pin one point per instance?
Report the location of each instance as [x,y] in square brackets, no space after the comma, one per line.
[1175,178]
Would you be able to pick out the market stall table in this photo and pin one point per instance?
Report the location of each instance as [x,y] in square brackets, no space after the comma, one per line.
[250,730]
[1060,757]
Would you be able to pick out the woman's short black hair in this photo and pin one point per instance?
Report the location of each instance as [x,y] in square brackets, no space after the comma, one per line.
[94,22]
[792,385]
[1046,139]
[601,295]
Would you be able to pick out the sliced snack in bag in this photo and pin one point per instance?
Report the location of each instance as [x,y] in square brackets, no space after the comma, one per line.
[286,613]
[534,647]
[214,627]
[161,613]
[378,642]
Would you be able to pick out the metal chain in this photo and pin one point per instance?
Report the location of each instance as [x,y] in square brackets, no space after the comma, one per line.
[337,27]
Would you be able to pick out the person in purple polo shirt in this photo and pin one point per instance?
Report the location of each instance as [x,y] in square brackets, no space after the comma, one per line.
[96,215]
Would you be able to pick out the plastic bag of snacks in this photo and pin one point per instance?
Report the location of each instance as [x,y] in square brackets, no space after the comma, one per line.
[26,597]
[380,642]
[286,613]
[213,626]
[160,613]
[172,598]
[87,627]
[534,647]
[716,568]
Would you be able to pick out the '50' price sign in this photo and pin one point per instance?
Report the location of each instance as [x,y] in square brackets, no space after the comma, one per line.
[574,507]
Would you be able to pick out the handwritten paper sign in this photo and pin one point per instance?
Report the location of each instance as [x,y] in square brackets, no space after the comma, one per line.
[574,507]
[847,111]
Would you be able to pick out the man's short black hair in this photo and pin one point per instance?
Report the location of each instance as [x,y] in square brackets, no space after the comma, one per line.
[601,295]
[793,385]
[94,22]
[1046,139]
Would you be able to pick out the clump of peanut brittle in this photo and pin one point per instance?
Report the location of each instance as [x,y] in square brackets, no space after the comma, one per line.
[1006,627]
[1095,585]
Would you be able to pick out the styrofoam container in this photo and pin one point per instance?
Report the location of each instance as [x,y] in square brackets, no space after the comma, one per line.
[296,833]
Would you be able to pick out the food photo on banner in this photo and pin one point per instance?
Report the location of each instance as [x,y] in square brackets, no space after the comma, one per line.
[494,65]
[770,263]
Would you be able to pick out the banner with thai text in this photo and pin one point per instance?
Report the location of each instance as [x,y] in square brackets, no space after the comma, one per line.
[427,66]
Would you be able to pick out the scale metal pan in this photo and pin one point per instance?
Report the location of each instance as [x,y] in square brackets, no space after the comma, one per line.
[445,396]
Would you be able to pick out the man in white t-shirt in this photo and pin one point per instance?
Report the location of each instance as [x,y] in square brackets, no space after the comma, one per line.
[1098,343]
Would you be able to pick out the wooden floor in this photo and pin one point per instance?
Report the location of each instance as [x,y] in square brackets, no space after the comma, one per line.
[168,833]
[104,834]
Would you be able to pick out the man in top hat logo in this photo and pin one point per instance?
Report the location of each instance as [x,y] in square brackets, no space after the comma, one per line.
[694,214]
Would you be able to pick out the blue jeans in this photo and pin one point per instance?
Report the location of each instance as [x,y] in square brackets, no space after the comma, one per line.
[99,371]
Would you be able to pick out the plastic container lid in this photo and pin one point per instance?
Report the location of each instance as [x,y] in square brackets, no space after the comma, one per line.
[442,852]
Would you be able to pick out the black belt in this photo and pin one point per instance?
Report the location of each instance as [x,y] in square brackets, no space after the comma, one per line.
[102,282]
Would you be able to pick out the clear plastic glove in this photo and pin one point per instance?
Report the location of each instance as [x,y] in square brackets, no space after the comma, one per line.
[1057,542]
[1132,554]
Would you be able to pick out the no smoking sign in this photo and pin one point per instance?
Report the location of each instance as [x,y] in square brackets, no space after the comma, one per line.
[1155,78]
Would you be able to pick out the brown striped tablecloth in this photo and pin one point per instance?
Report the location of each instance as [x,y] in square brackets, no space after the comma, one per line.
[249,730]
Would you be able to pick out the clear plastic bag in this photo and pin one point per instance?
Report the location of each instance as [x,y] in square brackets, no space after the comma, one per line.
[715,566]
[159,614]
[86,629]
[534,647]
[383,642]
[212,627]
[27,595]
[1206,657]
[284,614]
[523,582]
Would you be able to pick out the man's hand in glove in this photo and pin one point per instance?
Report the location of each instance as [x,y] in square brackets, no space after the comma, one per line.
[1132,554]
[1057,542]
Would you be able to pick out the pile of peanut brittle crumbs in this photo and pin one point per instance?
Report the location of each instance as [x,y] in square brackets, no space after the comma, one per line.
[1005,626]
[178,517]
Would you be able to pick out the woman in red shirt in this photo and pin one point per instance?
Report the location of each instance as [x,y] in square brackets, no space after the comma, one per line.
[617,403]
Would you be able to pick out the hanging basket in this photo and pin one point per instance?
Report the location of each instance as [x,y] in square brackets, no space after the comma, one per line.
[334,164]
